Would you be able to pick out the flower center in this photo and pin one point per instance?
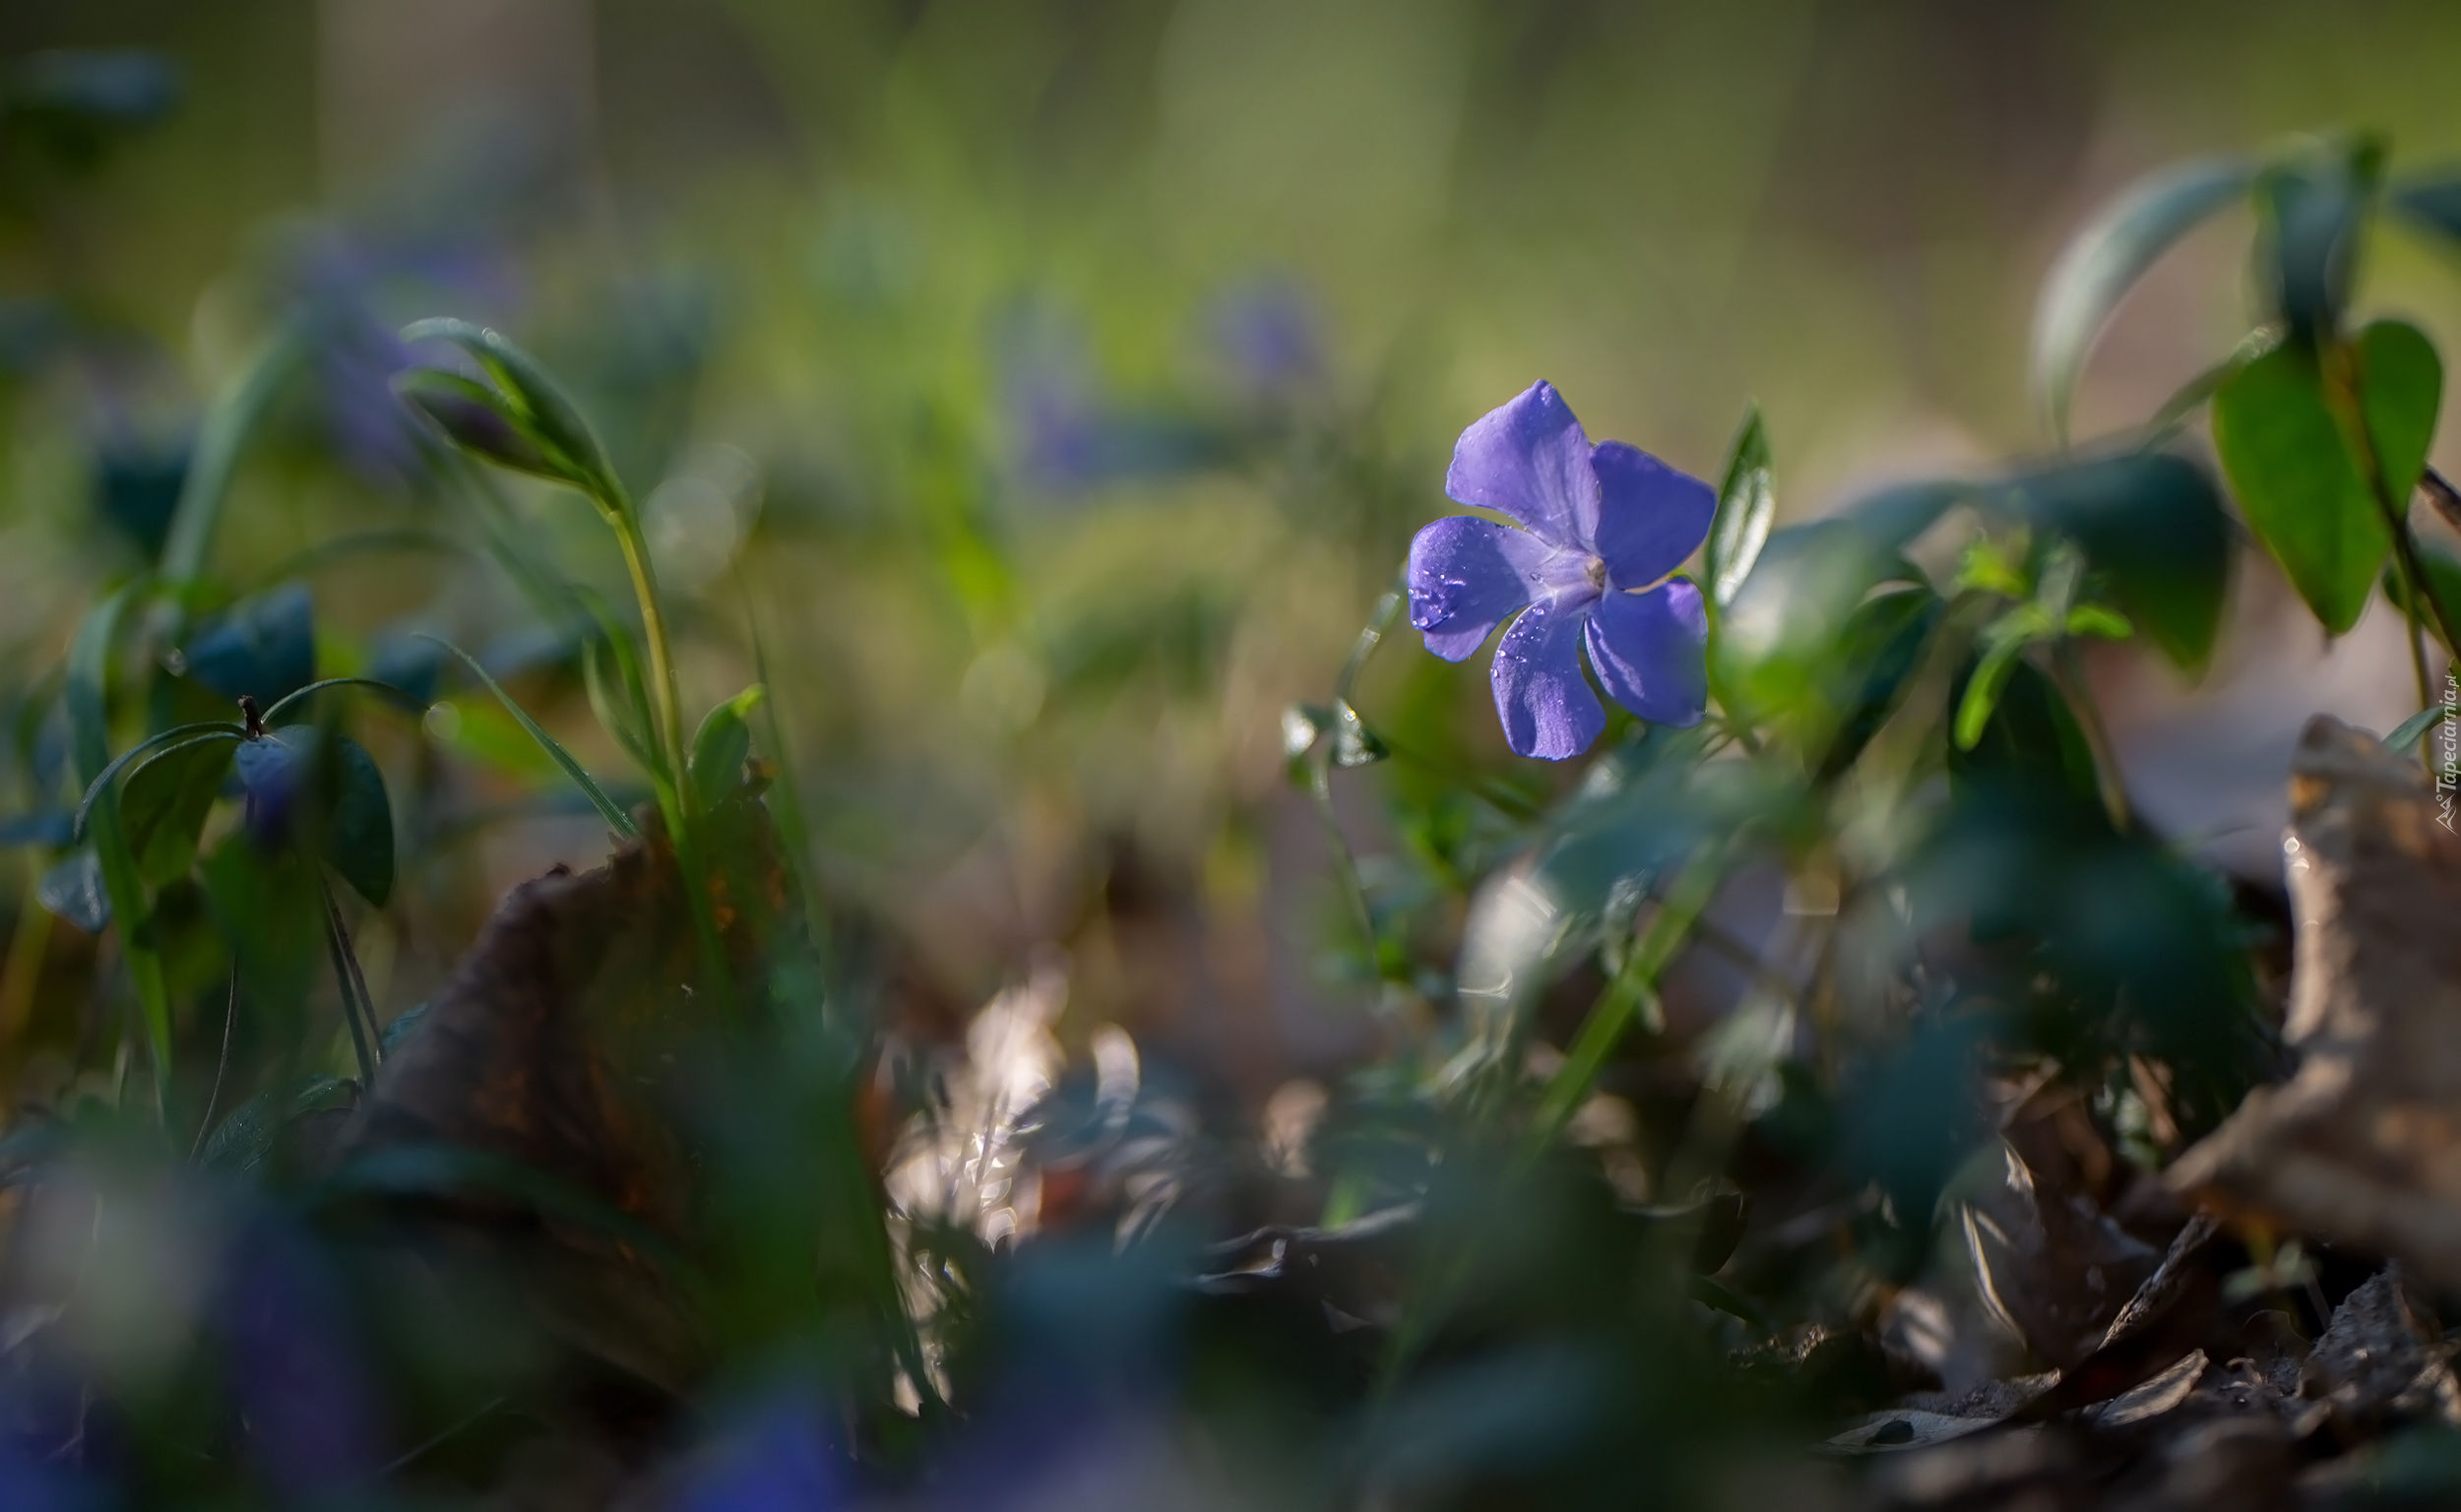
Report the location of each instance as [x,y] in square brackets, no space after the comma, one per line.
[1595,569]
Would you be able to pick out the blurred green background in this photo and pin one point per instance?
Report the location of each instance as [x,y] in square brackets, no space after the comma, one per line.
[1056,384]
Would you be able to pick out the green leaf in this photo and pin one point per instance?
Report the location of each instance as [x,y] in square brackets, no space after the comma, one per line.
[359,827]
[2409,733]
[237,414]
[2401,386]
[265,905]
[534,400]
[164,804]
[2103,260]
[719,750]
[86,696]
[608,808]
[178,734]
[2002,643]
[1747,505]
[2298,485]
[1777,653]
[2094,619]
[2152,527]
[2309,211]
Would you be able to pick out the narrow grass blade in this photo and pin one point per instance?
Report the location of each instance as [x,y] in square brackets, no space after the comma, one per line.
[86,696]
[615,817]
[406,699]
[225,433]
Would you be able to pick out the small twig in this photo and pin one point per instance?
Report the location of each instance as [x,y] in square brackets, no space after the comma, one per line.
[222,1068]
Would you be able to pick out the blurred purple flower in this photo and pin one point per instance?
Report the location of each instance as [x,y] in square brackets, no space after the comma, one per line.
[779,1456]
[1269,330]
[1602,530]
[312,1420]
[1068,438]
[348,281]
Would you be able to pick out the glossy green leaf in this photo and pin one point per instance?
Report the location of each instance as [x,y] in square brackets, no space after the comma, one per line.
[166,801]
[719,747]
[2154,532]
[2298,485]
[607,807]
[1777,654]
[2401,386]
[1747,506]
[2103,260]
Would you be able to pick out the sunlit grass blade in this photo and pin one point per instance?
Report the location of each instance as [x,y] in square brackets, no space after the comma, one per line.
[401,696]
[615,815]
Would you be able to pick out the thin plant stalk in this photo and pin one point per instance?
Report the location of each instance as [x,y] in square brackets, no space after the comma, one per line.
[2070,675]
[347,978]
[673,791]
[221,1067]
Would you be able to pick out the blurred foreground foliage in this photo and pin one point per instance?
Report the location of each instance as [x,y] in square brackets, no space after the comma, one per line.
[1664,1087]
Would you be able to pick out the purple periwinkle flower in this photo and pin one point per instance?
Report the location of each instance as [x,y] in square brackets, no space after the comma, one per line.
[1602,530]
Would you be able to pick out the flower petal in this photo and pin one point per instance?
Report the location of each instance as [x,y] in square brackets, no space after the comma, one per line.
[1530,459]
[1546,704]
[1650,517]
[1651,651]
[1467,576]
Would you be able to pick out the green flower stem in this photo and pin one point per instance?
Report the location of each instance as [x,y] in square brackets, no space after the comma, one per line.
[1346,864]
[664,688]
[673,792]
[1630,994]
